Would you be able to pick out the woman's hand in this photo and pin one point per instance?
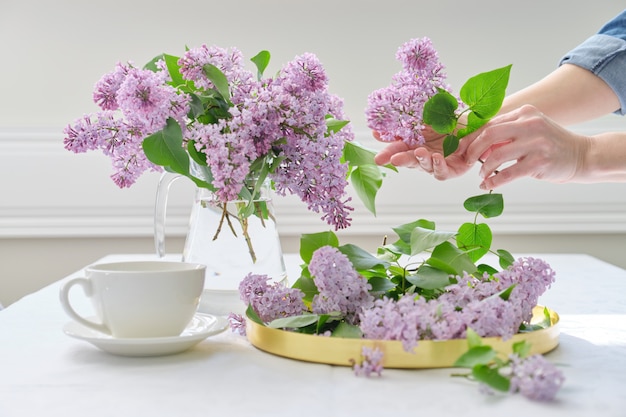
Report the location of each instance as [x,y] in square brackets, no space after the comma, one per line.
[526,143]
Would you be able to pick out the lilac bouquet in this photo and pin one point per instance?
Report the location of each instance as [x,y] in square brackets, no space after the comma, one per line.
[228,129]
[427,285]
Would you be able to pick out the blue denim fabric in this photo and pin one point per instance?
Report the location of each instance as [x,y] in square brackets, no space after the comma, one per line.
[604,54]
[615,27]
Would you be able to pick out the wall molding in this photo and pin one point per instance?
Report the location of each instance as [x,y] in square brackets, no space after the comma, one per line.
[48,192]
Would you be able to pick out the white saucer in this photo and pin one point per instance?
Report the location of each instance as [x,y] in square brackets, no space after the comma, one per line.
[200,327]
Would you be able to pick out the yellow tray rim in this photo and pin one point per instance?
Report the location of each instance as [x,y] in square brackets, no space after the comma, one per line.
[427,354]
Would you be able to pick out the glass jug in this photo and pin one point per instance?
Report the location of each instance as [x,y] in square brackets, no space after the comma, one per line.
[230,246]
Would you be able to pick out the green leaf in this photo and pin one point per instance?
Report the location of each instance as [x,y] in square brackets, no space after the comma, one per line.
[450,144]
[380,284]
[505,258]
[522,348]
[439,112]
[346,330]
[473,123]
[367,180]
[356,154]
[429,278]
[309,243]
[473,339]
[252,315]
[261,60]
[484,268]
[491,377]
[171,63]
[476,355]
[405,231]
[422,239]
[307,286]
[488,205]
[360,258]
[293,322]
[475,239]
[333,125]
[165,148]
[543,324]
[505,294]
[451,259]
[196,106]
[219,80]
[485,92]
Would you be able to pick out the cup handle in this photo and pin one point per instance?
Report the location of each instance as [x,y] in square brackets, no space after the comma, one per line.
[67,306]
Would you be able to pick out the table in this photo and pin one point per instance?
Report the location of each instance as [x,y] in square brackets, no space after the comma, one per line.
[43,372]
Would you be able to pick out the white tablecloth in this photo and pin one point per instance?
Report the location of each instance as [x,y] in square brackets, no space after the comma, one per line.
[43,372]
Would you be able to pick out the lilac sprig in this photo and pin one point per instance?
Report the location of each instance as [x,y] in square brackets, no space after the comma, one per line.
[341,288]
[271,301]
[371,362]
[533,376]
[395,111]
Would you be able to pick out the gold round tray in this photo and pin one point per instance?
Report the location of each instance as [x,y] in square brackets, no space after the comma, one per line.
[427,353]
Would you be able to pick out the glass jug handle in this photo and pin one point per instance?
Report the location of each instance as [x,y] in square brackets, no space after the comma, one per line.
[160,208]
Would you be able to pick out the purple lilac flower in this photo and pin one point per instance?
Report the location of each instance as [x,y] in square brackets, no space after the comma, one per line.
[341,288]
[532,277]
[395,111]
[105,91]
[116,139]
[147,101]
[418,56]
[237,323]
[228,155]
[492,316]
[271,301]
[371,363]
[535,377]
[143,102]
[312,168]
[471,302]
[395,320]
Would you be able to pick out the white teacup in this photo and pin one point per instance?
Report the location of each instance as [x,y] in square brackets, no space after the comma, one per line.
[139,298]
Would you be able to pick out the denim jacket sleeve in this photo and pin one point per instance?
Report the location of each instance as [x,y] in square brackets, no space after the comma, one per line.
[604,54]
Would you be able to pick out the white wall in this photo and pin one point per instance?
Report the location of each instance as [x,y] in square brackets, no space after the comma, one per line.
[59,211]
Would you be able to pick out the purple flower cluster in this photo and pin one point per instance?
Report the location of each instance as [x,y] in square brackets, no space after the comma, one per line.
[280,121]
[271,301]
[371,363]
[341,288]
[144,101]
[237,323]
[471,302]
[535,377]
[395,111]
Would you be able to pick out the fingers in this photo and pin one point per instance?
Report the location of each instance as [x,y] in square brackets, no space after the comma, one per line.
[502,177]
[424,159]
[398,154]
[385,155]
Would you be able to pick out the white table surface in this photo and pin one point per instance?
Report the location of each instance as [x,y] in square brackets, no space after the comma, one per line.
[43,372]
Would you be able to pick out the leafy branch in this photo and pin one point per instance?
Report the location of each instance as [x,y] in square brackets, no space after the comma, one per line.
[482,95]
